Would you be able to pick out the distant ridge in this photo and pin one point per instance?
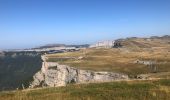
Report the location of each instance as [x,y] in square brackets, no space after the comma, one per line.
[62,45]
[153,41]
[134,42]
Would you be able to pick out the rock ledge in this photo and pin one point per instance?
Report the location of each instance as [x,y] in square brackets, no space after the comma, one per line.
[53,74]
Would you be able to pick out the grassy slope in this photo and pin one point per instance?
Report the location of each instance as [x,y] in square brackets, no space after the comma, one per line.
[116,60]
[132,90]
[120,59]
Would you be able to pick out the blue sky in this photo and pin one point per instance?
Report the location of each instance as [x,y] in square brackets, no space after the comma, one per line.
[30,23]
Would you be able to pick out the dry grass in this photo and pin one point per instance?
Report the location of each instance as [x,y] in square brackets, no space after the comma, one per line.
[132,90]
[115,60]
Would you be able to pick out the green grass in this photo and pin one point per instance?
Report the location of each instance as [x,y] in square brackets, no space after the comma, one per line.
[134,90]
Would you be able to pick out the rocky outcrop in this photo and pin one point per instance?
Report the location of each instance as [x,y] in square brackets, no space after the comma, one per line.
[103,44]
[53,74]
[2,54]
[145,62]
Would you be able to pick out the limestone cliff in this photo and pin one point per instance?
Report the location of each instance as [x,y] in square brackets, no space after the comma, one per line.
[53,74]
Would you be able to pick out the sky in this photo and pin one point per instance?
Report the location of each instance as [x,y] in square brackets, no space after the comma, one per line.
[31,23]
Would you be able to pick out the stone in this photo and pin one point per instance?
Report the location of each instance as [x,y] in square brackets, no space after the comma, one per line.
[53,74]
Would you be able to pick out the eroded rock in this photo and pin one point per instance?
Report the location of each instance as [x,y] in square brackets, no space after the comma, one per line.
[53,75]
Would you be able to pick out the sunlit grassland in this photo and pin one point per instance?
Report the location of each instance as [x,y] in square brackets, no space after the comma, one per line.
[115,60]
[132,90]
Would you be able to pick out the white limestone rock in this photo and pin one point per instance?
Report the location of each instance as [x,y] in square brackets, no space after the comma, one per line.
[53,75]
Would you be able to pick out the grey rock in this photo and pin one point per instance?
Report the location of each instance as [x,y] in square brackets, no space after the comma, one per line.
[53,75]
[145,62]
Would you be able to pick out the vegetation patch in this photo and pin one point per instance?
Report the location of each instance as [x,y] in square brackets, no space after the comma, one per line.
[132,90]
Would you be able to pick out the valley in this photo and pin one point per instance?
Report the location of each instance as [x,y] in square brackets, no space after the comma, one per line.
[133,68]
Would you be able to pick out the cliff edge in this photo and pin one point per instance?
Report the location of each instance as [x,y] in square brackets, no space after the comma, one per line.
[53,74]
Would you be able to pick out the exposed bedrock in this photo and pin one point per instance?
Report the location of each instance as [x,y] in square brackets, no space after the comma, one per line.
[53,74]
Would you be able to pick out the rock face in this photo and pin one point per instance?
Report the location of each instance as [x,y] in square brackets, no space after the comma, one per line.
[53,75]
[103,44]
[2,54]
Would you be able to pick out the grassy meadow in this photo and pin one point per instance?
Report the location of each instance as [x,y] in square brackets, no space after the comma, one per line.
[115,60]
[129,90]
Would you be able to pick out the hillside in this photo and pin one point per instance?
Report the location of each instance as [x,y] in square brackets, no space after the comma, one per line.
[152,42]
[145,60]
[129,59]
[17,68]
[132,90]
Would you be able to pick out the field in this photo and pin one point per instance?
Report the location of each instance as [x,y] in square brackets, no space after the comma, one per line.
[131,90]
[115,60]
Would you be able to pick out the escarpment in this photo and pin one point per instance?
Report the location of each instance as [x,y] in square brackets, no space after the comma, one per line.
[53,74]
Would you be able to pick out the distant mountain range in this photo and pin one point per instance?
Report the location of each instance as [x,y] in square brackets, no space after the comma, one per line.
[62,45]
